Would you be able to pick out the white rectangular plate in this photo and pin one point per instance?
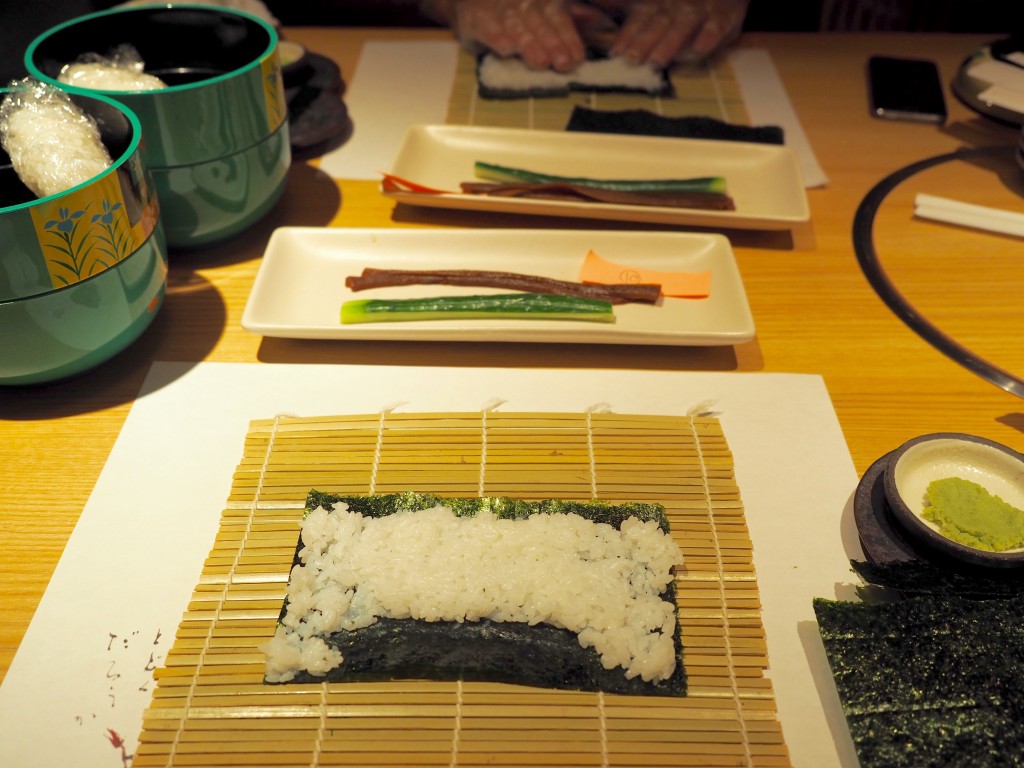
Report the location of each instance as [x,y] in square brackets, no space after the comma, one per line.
[300,286]
[764,180]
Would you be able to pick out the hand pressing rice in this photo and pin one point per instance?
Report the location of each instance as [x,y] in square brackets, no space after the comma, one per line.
[122,70]
[601,582]
[53,145]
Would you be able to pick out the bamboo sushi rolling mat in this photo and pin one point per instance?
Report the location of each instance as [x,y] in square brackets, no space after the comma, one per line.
[211,707]
[700,91]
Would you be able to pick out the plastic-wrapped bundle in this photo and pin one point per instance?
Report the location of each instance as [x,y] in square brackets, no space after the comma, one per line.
[122,70]
[53,145]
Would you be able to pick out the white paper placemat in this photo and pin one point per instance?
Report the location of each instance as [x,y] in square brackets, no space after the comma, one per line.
[767,103]
[396,85]
[76,690]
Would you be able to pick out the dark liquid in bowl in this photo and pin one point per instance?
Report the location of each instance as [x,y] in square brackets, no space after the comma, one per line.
[185,75]
[12,190]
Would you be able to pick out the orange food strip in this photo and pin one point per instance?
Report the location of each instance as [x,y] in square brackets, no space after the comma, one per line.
[690,285]
[392,183]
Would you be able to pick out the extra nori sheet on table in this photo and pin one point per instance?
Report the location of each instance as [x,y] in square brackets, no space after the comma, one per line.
[935,675]
[485,651]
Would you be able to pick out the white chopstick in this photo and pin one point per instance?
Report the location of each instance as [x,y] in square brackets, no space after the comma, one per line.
[969,215]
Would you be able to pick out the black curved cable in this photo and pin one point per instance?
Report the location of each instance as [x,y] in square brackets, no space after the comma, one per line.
[863,245]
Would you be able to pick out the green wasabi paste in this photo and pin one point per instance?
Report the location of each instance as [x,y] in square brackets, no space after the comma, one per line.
[968,514]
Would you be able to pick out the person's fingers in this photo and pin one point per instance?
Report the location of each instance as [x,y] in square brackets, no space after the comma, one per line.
[594,26]
[549,37]
[500,38]
[483,23]
[565,27]
[721,27]
[660,31]
[673,40]
[542,32]
[656,31]
[590,15]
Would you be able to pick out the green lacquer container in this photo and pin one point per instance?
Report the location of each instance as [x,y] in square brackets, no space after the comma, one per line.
[216,140]
[82,272]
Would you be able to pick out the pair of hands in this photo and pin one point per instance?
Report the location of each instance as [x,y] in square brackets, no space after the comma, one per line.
[553,33]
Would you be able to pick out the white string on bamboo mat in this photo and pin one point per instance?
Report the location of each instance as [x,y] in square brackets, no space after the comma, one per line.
[483,455]
[729,657]
[457,725]
[229,576]
[493,405]
[719,96]
[321,728]
[599,408]
[471,117]
[378,448]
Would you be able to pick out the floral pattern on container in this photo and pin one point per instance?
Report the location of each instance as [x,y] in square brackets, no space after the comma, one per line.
[91,229]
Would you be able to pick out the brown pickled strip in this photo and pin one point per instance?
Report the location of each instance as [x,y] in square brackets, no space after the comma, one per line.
[616,293]
[580,193]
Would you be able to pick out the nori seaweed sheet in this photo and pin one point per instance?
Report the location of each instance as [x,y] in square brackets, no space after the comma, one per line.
[920,576]
[647,123]
[506,652]
[936,676]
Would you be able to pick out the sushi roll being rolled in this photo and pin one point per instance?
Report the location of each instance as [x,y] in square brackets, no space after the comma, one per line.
[509,78]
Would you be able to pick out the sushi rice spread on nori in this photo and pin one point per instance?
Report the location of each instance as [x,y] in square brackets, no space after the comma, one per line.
[558,594]
[509,78]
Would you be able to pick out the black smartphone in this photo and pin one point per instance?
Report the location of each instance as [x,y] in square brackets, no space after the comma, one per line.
[906,89]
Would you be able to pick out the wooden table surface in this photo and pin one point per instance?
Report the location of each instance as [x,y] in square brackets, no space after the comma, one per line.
[815,312]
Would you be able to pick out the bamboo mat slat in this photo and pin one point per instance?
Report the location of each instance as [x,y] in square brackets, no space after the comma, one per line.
[210,706]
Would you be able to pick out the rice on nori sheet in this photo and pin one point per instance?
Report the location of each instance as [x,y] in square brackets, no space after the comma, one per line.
[573,595]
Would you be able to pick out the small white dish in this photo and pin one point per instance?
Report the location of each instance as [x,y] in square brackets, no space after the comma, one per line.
[911,467]
[763,179]
[300,286]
